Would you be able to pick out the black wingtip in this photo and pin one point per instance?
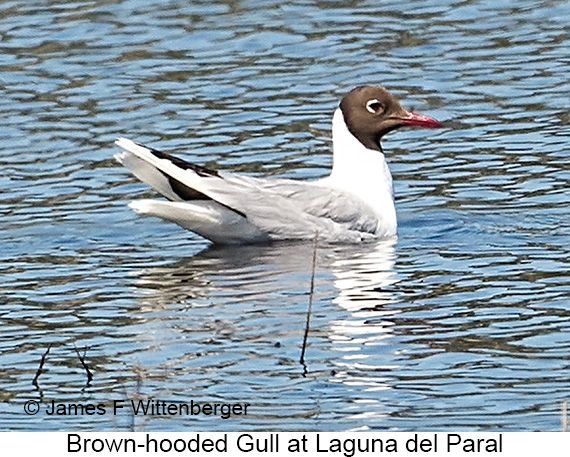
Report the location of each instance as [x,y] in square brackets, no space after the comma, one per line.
[198,169]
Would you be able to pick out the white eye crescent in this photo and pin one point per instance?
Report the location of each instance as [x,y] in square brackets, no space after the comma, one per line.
[374,106]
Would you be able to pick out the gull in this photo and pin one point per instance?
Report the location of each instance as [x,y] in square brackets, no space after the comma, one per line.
[355,203]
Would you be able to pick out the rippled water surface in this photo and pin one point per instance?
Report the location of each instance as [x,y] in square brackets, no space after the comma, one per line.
[463,323]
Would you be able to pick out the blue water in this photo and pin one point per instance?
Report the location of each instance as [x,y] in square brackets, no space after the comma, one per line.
[463,323]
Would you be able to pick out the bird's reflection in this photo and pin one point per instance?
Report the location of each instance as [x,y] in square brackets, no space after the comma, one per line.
[351,282]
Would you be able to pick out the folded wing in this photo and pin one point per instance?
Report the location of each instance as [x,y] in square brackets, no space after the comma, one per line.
[229,208]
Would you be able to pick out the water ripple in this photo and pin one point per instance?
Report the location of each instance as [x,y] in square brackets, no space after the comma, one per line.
[462,324]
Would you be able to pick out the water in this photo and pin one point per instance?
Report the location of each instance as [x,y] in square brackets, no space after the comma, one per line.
[461,324]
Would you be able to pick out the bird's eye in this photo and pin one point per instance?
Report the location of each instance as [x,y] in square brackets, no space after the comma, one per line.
[374,106]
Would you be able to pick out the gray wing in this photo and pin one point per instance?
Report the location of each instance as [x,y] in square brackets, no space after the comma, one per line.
[295,209]
[284,209]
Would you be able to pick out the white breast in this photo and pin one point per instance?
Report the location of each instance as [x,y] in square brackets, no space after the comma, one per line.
[363,173]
